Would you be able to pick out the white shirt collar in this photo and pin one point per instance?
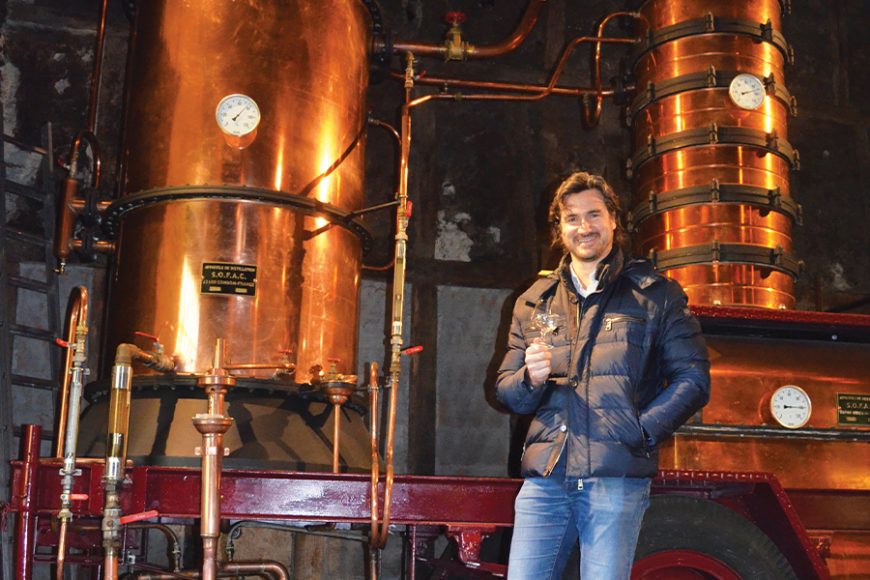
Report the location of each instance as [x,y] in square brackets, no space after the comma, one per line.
[584,292]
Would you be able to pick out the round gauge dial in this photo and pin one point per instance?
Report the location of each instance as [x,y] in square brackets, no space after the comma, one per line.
[237,115]
[791,407]
[746,91]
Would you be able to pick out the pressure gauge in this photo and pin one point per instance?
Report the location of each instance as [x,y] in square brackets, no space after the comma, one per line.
[790,406]
[237,115]
[746,91]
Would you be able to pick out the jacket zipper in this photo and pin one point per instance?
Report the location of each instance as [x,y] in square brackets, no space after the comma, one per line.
[551,465]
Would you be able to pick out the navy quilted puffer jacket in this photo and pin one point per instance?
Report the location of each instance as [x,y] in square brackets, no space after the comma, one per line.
[629,366]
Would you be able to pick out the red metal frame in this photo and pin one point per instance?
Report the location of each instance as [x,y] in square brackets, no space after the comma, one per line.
[469,508]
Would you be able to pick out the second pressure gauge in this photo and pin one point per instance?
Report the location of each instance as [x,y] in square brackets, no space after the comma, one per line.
[746,91]
[791,407]
[237,115]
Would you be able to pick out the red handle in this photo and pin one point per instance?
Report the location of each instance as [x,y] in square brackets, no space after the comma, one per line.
[139,517]
[412,350]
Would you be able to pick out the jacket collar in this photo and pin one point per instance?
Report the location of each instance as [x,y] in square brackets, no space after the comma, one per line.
[638,272]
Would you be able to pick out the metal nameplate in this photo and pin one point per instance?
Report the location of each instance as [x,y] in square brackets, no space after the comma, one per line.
[232,279]
[853,409]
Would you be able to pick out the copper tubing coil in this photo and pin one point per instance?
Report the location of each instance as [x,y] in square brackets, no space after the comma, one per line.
[522,30]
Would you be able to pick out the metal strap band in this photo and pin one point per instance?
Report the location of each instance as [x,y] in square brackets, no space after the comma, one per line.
[761,31]
[717,253]
[715,135]
[241,193]
[712,79]
[765,199]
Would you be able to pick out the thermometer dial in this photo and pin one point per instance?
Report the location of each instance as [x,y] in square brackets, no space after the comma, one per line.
[791,406]
[746,91]
[237,115]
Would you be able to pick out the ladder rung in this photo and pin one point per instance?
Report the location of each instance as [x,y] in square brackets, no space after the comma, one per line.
[25,237]
[24,191]
[32,332]
[33,382]
[29,284]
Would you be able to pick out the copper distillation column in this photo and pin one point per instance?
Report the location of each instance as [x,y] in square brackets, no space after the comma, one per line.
[711,159]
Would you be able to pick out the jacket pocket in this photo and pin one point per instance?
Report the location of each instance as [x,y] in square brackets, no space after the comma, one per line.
[623,425]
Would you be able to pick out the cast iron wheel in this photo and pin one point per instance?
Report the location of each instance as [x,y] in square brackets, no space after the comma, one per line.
[685,538]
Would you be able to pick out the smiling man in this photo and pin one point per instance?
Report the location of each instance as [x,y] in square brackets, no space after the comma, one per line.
[624,369]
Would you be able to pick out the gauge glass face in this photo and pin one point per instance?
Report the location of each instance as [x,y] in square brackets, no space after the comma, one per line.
[237,115]
[791,406]
[747,91]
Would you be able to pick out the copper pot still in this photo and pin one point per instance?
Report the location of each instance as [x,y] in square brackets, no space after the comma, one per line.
[219,239]
[710,179]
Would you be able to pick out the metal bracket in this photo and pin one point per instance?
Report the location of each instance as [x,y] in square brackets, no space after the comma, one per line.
[715,135]
[760,31]
[304,203]
[717,253]
[760,197]
[711,79]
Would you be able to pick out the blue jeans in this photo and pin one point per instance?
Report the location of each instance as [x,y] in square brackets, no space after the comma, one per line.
[552,513]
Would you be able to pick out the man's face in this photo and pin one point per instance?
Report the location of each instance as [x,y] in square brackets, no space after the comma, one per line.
[586,227]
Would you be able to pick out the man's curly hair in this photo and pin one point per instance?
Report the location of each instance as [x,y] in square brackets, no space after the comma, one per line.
[581,181]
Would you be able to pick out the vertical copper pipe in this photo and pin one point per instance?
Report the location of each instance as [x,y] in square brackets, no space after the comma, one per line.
[336,436]
[591,118]
[374,534]
[27,514]
[77,313]
[98,69]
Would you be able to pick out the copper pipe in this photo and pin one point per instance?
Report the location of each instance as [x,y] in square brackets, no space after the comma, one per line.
[69,408]
[264,569]
[77,313]
[548,90]
[212,426]
[171,539]
[336,436]
[591,119]
[398,292]
[525,26]
[116,443]
[374,536]
[496,85]
[69,204]
[98,68]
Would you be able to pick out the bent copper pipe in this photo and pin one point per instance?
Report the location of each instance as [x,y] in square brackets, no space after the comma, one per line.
[263,569]
[77,313]
[69,407]
[548,90]
[525,26]
[591,117]
[501,86]
[69,203]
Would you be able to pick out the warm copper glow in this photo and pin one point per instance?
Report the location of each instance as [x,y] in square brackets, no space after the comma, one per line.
[187,58]
[698,137]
